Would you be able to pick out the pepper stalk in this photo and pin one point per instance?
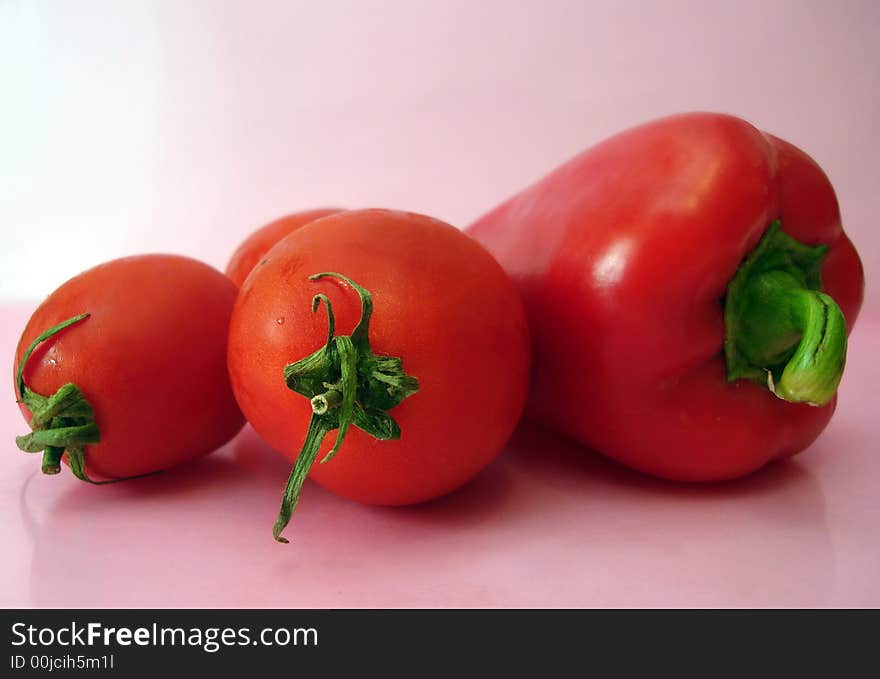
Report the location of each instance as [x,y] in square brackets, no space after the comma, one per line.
[781,329]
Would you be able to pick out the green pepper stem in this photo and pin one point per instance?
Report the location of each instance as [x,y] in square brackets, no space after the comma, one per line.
[782,331]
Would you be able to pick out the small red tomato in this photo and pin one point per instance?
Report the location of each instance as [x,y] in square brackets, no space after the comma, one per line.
[251,251]
[123,368]
[423,370]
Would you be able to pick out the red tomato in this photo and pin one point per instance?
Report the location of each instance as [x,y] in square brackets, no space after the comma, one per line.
[246,256]
[441,303]
[150,360]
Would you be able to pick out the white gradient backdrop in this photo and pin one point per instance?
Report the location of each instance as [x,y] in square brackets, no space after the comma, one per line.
[180,126]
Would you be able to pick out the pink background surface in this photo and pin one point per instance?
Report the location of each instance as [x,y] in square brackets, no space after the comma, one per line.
[181,126]
[547,524]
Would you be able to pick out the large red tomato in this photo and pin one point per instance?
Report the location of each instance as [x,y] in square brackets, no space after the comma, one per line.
[252,249]
[138,383]
[439,372]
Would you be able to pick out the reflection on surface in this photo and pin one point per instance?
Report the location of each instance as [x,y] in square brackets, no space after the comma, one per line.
[547,522]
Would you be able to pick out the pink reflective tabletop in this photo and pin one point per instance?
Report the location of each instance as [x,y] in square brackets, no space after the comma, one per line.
[548,524]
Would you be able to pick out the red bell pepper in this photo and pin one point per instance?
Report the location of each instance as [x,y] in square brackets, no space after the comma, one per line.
[689,289]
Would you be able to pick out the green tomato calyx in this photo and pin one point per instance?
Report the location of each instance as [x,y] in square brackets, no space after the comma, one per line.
[61,423]
[347,384]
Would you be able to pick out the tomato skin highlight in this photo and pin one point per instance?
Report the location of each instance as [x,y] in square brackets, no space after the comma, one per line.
[255,246]
[623,256]
[441,303]
[150,359]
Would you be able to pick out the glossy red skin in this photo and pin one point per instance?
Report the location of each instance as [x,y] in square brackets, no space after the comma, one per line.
[623,255]
[255,246]
[441,303]
[151,360]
